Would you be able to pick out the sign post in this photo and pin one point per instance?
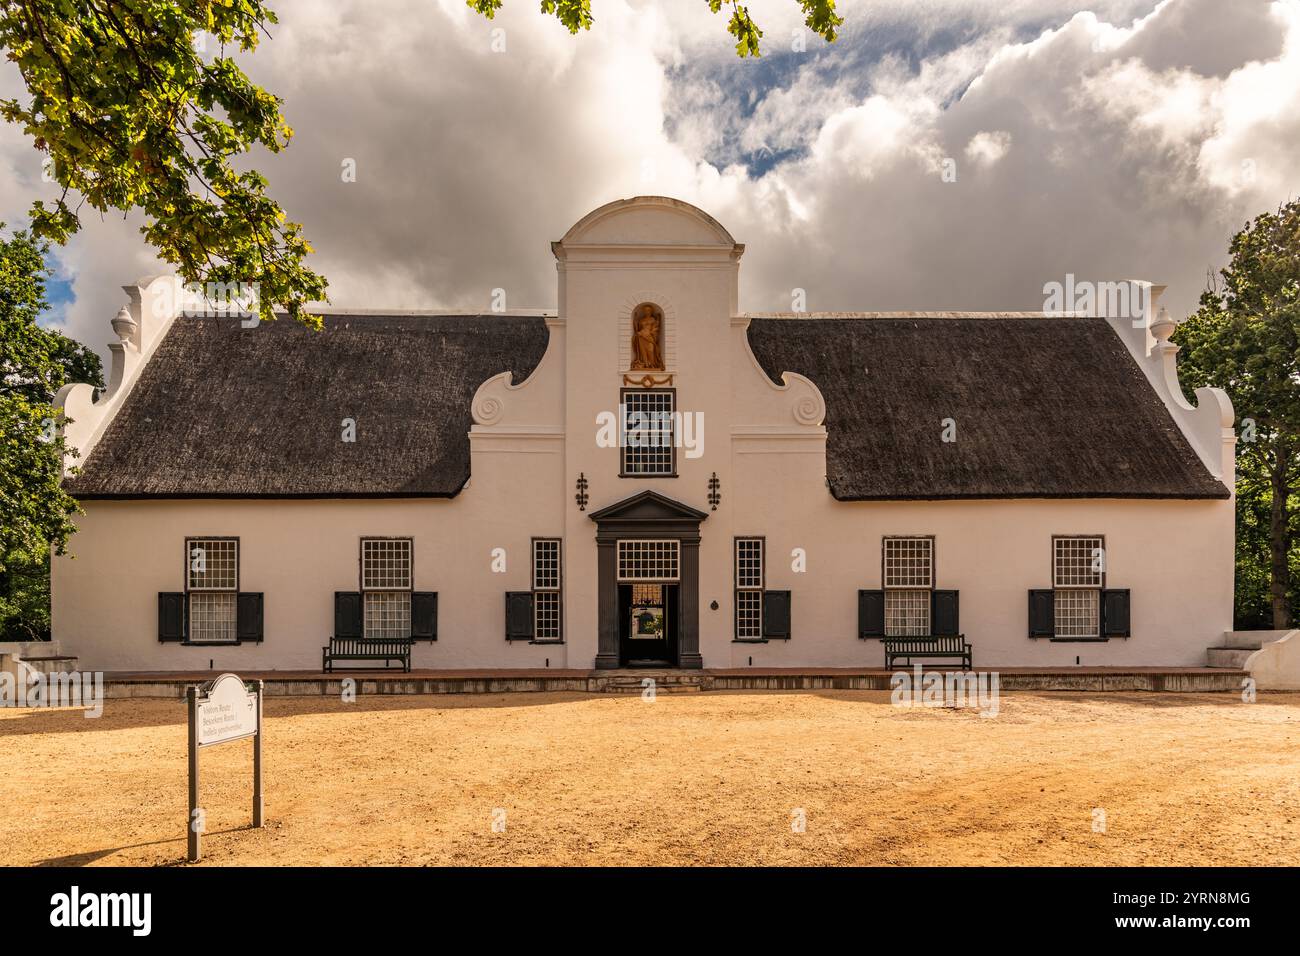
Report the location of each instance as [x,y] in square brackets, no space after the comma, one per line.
[221,711]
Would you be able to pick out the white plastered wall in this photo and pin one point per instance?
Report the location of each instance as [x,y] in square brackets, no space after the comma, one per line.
[765,442]
[299,552]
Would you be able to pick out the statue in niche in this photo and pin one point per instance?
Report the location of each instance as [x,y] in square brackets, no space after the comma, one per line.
[647,328]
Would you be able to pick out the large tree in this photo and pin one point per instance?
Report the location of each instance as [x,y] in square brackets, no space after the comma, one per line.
[1245,338]
[819,17]
[35,512]
[140,104]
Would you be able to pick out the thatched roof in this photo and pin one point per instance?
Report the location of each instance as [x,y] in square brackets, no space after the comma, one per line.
[1045,407]
[223,411]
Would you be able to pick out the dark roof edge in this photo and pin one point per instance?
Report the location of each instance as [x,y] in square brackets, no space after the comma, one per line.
[1025,496]
[279,496]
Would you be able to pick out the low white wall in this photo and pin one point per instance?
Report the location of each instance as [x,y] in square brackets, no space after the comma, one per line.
[1276,665]
[298,553]
[1174,556]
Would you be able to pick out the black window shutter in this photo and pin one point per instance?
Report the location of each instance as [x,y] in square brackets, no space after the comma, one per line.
[248,616]
[347,614]
[943,613]
[776,615]
[1115,612]
[424,615]
[171,615]
[519,615]
[1042,613]
[871,614]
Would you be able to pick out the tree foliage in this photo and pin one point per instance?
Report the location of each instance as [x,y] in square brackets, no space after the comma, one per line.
[137,104]
[819,17]
[1245,338]
[35,512]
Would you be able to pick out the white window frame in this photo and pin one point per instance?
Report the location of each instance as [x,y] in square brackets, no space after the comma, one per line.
[548,591]
[648,555]
[907,593]
[386,596]
[212,608]
[1076,588]
[645,461]
[749,587]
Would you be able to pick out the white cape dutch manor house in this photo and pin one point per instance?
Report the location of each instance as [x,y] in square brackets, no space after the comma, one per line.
[1037,483]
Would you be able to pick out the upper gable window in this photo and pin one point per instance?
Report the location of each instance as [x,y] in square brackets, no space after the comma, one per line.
[646,436]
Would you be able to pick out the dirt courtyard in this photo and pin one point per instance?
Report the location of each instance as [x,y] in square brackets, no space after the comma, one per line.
[703,778]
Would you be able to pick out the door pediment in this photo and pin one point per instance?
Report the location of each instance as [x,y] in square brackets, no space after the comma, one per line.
[648,508]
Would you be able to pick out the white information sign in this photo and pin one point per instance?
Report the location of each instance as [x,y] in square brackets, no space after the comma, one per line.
[228,712]
[221,711]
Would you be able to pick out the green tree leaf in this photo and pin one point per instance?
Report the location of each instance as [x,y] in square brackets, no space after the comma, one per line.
[1245,338]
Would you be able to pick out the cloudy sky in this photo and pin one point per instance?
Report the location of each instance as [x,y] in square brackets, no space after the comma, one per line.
[1120,139]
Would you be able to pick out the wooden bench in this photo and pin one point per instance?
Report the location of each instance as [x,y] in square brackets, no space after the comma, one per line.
[367,649]
[907,648]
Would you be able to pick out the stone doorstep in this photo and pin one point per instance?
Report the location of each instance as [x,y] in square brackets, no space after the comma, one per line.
[1233,657]
[1237,646]
[1241,642]
[632,681]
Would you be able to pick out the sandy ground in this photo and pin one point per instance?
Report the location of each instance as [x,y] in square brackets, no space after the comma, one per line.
[712,778]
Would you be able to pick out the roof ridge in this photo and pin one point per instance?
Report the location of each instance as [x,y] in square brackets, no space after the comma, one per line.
[920,315]
[387,313]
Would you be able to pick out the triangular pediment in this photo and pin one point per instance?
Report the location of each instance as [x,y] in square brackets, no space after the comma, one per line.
[648,506]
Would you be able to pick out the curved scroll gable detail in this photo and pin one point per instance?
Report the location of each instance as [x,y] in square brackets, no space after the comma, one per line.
[490,399]
[806,402]
[773,404]
[153,305]
[498,405]
[1208,425]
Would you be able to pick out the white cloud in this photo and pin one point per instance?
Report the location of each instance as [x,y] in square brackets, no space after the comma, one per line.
[1127,139]
[986,148]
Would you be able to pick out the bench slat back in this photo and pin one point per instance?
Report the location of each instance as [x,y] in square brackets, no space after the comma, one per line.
[368,646]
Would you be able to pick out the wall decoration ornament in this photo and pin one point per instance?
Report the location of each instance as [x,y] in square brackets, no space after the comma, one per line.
[647,381]
[715,492]
[647,337]
[581,497]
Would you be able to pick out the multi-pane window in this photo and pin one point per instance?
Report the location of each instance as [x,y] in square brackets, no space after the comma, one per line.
[647,594]
[1078,575]
[646,432]
[749,588]
[652,560]
[908,579]
[212,580]
[547,582]
[386,587]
